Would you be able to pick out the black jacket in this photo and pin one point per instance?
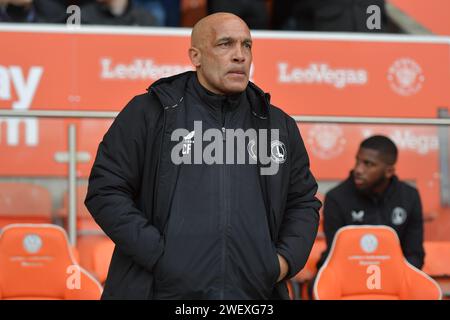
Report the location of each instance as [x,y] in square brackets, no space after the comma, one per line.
[133,179]
[399,207]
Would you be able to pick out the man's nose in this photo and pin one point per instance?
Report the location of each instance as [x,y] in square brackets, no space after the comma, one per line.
[238,54]
[358,169]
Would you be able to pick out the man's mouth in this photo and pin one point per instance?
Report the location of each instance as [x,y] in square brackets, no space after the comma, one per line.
[237,72]
[358,181]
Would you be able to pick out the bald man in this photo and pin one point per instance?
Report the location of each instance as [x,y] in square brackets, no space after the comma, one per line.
[202,184]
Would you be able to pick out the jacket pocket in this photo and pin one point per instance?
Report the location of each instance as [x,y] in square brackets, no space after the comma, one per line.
[138,284]
[128,280]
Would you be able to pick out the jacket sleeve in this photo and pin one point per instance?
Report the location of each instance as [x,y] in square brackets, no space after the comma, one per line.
[301,217]
[114,183]
[412,240]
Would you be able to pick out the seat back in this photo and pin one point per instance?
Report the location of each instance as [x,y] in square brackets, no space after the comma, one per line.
[310,269]
[437,258]
[22,202]
[192,11]
[437,264]
[36,262]
[95,254]
[85,223]
[366,262]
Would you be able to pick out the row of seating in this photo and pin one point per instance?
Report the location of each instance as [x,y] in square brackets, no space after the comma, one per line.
[31,203]
[365,262]
[21,202]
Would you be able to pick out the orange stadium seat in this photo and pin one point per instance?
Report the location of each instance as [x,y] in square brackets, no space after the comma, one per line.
[290,288]
[192,11]
[36,262]
[310,270]
[438,228]
[94,247]
[437,263]
[22,202]
[95,254]
[366,263]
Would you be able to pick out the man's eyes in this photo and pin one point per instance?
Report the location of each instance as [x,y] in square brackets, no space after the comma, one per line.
[369,164]
[228,44]
[365,163]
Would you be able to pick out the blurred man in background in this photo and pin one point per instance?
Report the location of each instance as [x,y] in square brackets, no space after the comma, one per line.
[373,195]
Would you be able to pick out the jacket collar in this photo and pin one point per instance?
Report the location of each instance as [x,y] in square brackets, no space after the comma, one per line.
[170,91]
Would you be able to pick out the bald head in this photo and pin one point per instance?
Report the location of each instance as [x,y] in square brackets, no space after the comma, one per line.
[221,51]
[204,29]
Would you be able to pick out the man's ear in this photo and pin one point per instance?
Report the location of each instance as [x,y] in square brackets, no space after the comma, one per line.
[195,55]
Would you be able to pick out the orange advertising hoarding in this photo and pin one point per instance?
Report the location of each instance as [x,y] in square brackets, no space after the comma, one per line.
[312,74]
[54,68]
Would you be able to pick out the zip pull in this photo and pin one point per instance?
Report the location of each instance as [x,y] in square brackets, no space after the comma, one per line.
[223,133]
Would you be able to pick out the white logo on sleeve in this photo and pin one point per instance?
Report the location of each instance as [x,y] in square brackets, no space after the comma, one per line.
[368,243]
[357,216]
[32,243]
[398,216]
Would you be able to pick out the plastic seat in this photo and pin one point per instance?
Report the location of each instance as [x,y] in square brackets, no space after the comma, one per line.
[366,262]
[302,279]
[192,11]
[95,254]
[437,263]
[36,262]
[22,202]
[310,269]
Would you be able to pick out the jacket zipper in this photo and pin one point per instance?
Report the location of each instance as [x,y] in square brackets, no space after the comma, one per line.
[155,196]
[223,123]
[224,213]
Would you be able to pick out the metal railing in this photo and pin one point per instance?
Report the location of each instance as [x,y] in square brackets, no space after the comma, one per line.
[72,161]
[67,114]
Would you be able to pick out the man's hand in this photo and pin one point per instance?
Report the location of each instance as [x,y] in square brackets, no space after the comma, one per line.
[284,267]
